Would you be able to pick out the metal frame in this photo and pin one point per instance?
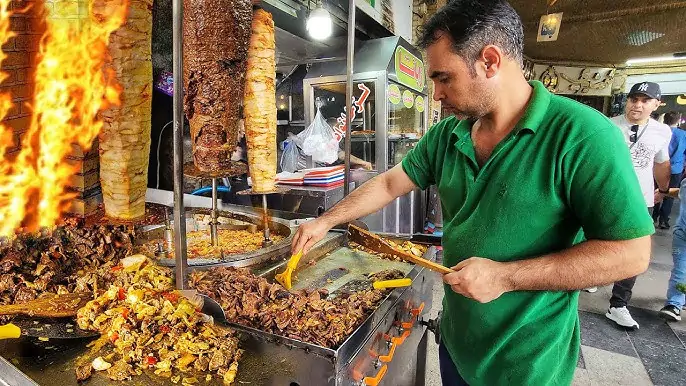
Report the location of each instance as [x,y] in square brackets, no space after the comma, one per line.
[349,93]
[388,223]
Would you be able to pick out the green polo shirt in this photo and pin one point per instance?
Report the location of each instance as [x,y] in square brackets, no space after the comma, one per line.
[564,167]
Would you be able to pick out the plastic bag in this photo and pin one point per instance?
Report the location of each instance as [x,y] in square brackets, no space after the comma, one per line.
[290,158]
[318,141]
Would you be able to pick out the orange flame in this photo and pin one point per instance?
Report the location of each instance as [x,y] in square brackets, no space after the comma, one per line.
[72,84]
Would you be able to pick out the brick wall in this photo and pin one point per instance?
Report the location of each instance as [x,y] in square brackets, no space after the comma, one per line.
[21,52]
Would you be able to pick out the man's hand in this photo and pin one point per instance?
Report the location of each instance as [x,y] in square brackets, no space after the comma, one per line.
[480,279]
[658,196]
[365,165]
[309,234]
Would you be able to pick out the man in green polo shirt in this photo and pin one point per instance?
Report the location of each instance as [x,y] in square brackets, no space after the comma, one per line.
[520,172]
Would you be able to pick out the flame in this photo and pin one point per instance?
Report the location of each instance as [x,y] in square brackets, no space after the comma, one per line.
[72,85]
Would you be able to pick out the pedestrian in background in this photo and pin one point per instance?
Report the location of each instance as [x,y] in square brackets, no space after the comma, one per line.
[677,155]
[648,141]
[675,298]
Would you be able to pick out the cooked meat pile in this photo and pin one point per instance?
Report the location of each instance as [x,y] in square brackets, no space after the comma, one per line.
[69,259]
[305,315]
[125,136]
[260,103]
[216,34]
[150,326]
[230,242]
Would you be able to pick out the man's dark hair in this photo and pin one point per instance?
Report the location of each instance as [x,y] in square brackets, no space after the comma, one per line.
[474,24]
[672,118]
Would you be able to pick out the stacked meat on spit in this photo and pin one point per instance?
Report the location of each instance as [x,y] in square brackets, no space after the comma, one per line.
[216,34]
[125,137]
[229,62]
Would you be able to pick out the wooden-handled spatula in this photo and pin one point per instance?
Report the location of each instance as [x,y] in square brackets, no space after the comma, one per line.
[49,306]
[377,244]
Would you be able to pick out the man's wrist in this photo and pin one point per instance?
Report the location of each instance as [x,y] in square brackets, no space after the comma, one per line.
[507,276]
[663,191]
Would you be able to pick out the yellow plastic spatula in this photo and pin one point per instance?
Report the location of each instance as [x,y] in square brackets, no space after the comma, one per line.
[395,283]
[285,277]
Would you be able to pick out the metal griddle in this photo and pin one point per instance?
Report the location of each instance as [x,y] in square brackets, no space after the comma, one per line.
[342,266]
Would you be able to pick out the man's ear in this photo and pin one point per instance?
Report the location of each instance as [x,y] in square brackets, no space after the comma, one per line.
[491,60]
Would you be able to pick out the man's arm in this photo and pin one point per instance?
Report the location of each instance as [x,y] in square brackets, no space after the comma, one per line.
[368,198]
[662,172]
[588,264]
[599,178]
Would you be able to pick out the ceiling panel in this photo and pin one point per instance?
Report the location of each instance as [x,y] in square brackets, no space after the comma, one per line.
[606,32]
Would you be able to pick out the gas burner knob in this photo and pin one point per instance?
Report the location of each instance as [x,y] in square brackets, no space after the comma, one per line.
[433,325]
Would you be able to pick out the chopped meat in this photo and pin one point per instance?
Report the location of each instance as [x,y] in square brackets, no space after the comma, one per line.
[149,326]
[10,261]
[84,372]
[24,294]
[7,282]
[120,371]
[71,258]
[305,315]
[218,360]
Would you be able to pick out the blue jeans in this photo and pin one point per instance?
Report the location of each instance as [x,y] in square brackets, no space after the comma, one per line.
[449,374]
[674,297]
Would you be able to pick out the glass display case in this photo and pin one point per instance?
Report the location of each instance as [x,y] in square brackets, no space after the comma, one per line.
[390,116]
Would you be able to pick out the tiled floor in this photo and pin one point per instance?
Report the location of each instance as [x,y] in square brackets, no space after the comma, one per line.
[653,355]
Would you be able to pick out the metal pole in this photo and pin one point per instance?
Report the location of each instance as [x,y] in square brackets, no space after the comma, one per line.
[214,221]
[349,94]
[179,211]
[265,219]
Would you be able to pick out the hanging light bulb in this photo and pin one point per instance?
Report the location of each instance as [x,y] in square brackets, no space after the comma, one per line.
[319,24]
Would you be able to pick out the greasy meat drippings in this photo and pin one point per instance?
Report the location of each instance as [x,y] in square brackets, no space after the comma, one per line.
[150,326]
[304,315]
[230,242]
[69,259]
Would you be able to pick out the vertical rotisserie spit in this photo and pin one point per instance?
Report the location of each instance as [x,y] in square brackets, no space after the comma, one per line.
[215,44]
[125,137]
[260,103]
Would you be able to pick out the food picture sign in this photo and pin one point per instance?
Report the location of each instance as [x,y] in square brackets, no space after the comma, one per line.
[409,69]
[394,95]
[408,99]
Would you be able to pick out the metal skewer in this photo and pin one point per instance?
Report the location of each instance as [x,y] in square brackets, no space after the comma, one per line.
[180,252]
[265,219]
[214,222]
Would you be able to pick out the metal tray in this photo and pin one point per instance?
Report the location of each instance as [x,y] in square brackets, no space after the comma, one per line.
[277,251]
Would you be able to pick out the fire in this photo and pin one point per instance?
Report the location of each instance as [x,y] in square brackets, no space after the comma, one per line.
[72,85]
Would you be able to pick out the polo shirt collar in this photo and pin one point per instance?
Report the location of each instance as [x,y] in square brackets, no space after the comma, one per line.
[533,116]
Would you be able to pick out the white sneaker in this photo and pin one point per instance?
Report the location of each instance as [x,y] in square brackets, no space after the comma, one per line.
[622,317]
[591,290]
